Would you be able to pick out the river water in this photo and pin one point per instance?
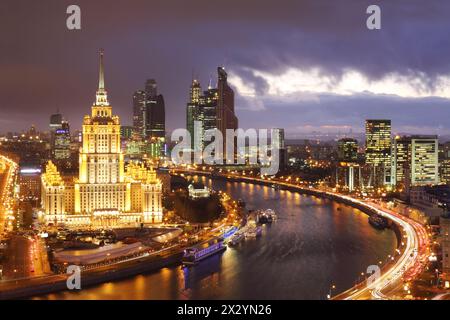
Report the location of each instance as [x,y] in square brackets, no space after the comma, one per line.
[314,243]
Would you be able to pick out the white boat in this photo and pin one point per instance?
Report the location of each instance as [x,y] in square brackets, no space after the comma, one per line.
[202,251]
[236,239]
[253,232]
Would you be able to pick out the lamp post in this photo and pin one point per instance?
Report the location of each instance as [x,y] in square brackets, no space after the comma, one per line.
[329,295]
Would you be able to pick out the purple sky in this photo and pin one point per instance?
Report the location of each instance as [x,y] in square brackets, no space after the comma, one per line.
[263,45]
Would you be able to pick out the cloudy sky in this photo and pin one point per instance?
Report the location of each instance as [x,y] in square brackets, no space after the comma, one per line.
[301,65]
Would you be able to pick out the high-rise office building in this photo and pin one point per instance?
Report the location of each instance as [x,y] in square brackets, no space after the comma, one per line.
[424,160]
[149,112]
[378,150]
[194,114]
[59,137]
[149,118]
[347,150]
[214,109]
[444,162]
[201,108]
[55,124]
[61,147]
[401,161]
[154,115]
[378,142]
[225,116]
[278,142]
[415,161]
[139,99]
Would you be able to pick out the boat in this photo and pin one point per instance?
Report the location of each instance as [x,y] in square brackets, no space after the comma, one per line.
[197,253]
[378,221]
[263,219]
[236,239]
[271,213]
[253,232]
[228,232]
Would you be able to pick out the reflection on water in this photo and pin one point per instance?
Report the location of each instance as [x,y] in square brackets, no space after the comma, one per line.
[314,242]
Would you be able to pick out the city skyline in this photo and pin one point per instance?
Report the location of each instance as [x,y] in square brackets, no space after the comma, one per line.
[252,150]
[330,90]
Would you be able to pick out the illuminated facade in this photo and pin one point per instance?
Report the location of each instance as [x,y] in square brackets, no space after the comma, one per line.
[378,142]
[201,108]
[52,195]
[348,150]
[415,161]
[378,148]
[424,160]
[105,194]
[61,148]
[401,158]
[444,163]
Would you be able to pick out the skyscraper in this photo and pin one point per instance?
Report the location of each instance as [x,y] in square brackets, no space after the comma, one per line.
[424,160]
[138,113]
[225,116]
[444,162]
[415,161]
[154,114]
[378,149]
[201,108]
[149,119]
[378,142]
[401,158]
[61,148]
[55,124]
[193,114]
[59,137]
[106,194]
[278,142]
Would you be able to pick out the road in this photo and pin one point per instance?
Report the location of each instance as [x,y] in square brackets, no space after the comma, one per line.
[410,263]
[25,257]
[8,169]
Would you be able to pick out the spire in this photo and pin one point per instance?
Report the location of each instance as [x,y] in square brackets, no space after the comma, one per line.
[210,82]
[101,77]
[101,98]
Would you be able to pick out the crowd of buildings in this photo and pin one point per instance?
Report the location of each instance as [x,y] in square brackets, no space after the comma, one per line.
[97,169]
[103,175]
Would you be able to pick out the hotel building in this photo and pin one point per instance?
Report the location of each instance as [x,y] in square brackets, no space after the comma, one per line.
[106,194]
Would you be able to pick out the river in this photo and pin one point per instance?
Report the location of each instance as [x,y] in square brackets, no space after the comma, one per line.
[314,243]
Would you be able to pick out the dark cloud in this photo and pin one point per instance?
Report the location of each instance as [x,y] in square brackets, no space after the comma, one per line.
[43,66]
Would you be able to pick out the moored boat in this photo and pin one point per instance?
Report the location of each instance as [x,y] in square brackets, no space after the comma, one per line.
[378,221]
[195,254]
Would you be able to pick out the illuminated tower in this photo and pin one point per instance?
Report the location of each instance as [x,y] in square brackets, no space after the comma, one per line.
[424,160]
[101,182]
[138,112]
[225,116]
[193,114]
[105,193]
[378,149]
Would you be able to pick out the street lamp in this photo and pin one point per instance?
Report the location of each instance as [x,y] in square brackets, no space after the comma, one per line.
[329,295]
